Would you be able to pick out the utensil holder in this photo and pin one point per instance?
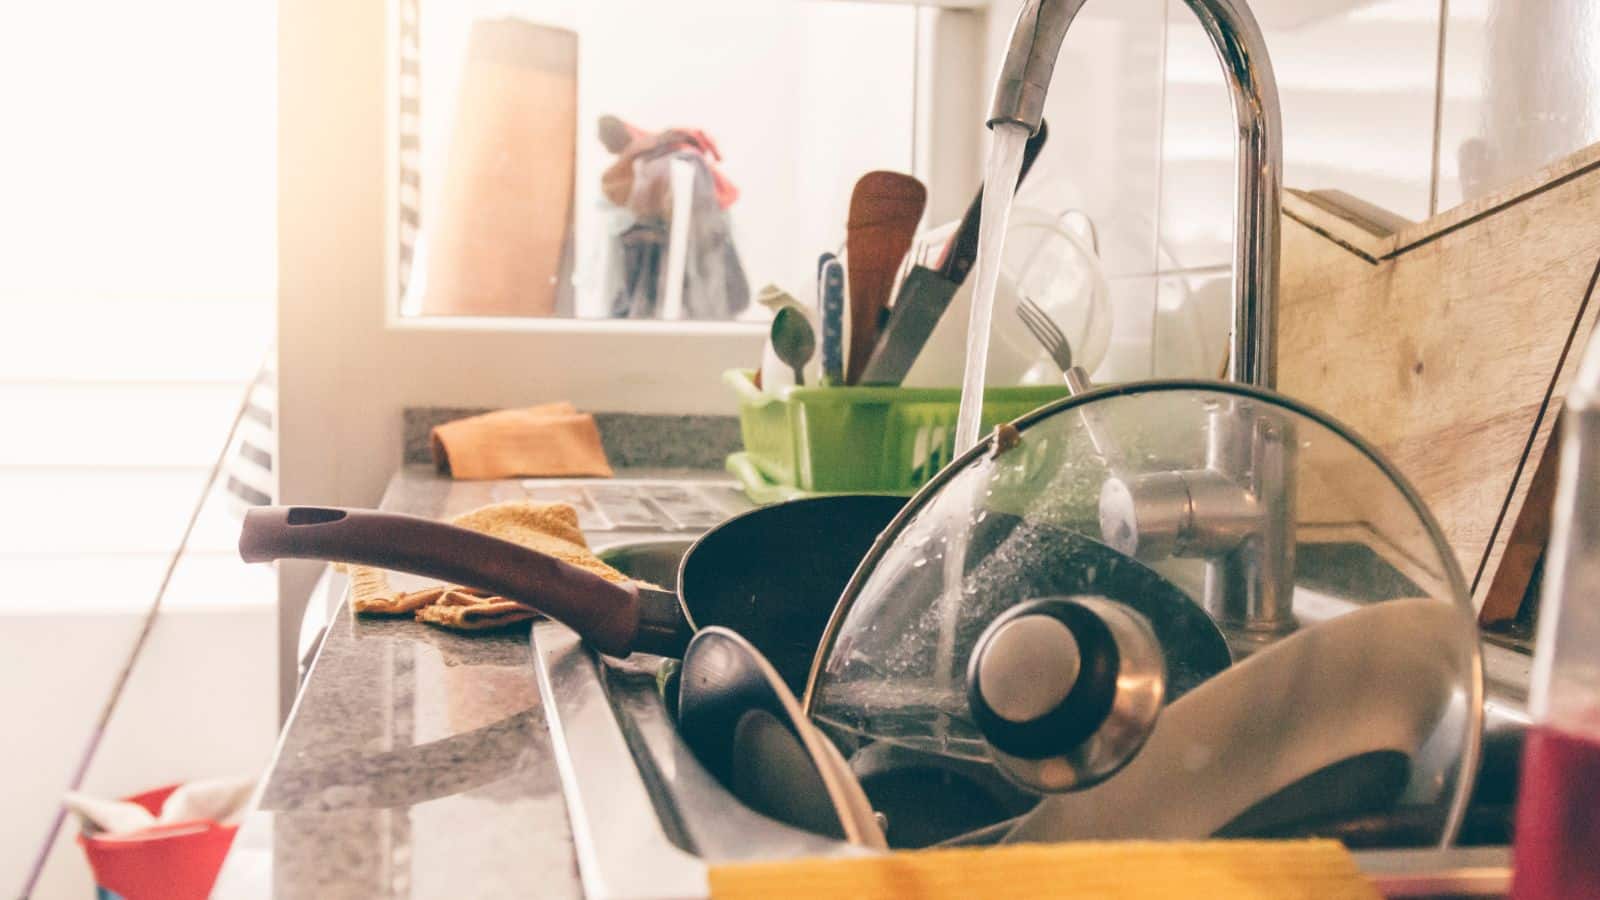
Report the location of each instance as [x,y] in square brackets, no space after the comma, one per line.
[805,441]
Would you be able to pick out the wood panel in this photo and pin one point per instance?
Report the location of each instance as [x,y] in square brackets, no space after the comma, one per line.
[1448,345]
[505,198]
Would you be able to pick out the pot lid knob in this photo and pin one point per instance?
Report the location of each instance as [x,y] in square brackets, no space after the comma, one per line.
[1065,690]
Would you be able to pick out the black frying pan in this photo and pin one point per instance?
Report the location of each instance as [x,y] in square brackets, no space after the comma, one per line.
[773,574]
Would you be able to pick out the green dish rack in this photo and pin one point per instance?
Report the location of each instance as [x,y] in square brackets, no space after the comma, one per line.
[807,441]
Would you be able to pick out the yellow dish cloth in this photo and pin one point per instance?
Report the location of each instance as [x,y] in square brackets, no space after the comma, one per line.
[550,528]
[552,440]
[1132,870]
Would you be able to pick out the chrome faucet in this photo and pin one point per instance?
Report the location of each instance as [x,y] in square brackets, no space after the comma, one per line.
[1019,98]
[1237,512]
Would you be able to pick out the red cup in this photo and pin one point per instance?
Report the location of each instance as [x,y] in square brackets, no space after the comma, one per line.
[175,861]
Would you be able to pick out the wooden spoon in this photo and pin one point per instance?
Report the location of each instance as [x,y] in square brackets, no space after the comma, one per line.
[884,211]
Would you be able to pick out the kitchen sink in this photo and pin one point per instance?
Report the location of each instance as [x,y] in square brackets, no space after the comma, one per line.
[607,717]
[653,561]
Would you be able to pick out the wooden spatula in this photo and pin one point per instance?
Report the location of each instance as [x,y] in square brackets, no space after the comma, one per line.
[884,211]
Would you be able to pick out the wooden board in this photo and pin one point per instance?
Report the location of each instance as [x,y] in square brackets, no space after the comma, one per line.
[504,210]
[1448,344]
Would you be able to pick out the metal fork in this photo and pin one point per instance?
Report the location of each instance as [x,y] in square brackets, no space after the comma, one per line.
[1048,334]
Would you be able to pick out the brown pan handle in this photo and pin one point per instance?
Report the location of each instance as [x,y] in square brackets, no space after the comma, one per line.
[605,613]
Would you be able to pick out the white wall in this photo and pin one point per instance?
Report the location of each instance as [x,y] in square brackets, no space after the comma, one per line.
[136,278]
[202,703]
[1521,89]
[1373,105]
[1104,109]
[1356,86]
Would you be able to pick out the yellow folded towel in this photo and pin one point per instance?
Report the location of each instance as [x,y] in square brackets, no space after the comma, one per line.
[1134,870]
[469,610]
[550,440]
[550,528]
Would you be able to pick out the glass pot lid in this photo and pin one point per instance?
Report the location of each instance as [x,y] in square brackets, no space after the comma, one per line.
[1172,609]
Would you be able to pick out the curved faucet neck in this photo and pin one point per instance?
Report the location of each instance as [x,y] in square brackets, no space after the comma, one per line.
[1019,97]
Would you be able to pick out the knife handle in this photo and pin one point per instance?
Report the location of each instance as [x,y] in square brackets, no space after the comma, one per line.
[606,613]
[832,280]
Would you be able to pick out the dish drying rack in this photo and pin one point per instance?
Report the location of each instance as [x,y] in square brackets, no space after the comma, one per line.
[806,441]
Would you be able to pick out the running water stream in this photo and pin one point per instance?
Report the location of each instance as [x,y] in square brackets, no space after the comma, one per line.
[999,188]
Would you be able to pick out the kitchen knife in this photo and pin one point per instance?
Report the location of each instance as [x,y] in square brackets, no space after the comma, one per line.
[925,293]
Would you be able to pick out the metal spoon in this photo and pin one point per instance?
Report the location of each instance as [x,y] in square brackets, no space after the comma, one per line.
[794,340]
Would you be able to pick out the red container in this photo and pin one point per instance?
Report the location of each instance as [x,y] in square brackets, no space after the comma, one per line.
[178,861]
[1558,817]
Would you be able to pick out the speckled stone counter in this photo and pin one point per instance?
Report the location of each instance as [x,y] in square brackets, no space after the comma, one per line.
[416,762]
[631,440]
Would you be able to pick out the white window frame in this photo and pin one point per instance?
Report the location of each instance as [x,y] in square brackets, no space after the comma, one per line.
[349,363]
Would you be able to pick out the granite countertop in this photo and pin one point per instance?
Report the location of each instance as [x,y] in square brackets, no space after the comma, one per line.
[416,762]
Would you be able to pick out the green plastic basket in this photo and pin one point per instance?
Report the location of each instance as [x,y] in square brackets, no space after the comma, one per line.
[875,440]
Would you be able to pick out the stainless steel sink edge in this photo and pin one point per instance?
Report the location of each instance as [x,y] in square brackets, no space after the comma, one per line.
[622,848]
[736,833]
[615,799]
[1457,872]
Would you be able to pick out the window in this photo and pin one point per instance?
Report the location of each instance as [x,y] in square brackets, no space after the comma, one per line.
[136,275]
[722,131]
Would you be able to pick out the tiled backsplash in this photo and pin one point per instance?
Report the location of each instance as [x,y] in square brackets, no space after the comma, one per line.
[1373,106]
[1356,86]
[1521,90]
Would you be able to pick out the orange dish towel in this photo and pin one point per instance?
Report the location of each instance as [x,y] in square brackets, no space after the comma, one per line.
[1132,870]
[551,440]
[550,528]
